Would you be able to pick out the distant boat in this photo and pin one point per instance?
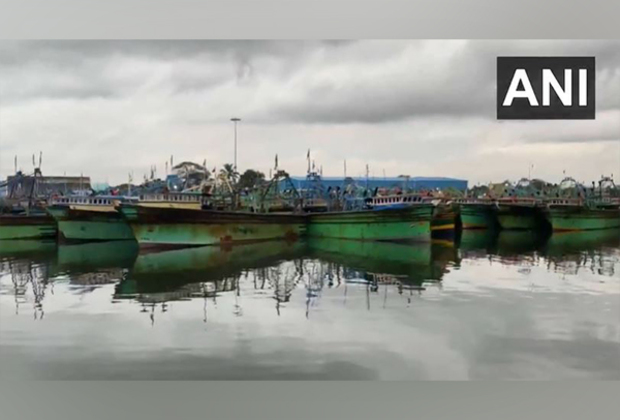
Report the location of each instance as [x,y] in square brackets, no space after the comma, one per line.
[574,210]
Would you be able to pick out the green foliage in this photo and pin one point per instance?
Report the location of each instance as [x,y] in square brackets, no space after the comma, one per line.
[250,179]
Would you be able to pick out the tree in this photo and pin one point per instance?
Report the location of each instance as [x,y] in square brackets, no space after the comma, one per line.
[250,178]
[229,172]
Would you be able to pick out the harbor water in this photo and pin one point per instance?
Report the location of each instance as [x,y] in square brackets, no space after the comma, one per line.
[508,305]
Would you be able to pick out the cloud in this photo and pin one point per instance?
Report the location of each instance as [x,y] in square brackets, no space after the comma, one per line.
[420,107]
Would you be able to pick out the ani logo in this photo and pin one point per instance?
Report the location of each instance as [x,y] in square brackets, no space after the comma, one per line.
[546,88]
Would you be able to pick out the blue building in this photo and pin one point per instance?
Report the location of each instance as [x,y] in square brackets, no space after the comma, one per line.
[416,183]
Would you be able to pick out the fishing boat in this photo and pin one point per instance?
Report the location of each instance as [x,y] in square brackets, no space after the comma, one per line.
[27,226]
[477,213]
[91,218]
[521,207]
[162,227]
[22,213]
[181,219]
[443,216]
[575,209]
[520,213]
[390,223]
[24,225]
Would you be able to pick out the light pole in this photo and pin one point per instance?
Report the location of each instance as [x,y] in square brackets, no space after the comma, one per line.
[235,121]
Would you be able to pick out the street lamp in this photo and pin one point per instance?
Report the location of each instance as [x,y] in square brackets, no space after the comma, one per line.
[235,121]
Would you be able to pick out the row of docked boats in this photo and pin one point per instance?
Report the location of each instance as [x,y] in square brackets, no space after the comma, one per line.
[529,205]
[205,216]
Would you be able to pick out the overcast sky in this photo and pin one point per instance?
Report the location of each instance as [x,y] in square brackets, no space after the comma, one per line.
[422,108]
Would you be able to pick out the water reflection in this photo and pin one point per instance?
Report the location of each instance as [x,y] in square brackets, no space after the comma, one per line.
[323,283]
[29,264]
[155,278]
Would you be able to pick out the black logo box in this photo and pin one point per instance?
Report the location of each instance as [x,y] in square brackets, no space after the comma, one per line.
[520,109]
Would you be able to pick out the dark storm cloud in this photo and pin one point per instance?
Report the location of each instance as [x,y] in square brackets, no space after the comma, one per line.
[433,101]
[77,69]
[462,86]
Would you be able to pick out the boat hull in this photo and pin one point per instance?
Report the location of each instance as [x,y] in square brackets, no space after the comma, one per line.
[579,218]
[27,227]
[183,227]
[478,216]
[444,219]
[85,225]
[410,223]
[520,217]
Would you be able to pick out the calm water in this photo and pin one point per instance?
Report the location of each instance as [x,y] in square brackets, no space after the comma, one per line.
[508,306]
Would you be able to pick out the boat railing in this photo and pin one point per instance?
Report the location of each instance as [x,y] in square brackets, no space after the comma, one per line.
[172,197]
[564,202]
[86,201]
[387,200]
[520,200]
[472,200]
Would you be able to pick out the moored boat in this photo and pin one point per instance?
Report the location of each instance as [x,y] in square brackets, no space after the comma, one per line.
[156,226]
[575,209]
[477,213]
[444,213]
[445,217]
[411,222]
[89,218]
[520,206]
[576,215]
[520,213]
[27,226]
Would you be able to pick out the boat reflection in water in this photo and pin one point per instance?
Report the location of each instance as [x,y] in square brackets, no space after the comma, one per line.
[510,305]
[29,264]
[568,252]
[281,267]
[201,272]
[97,263]
[408,265]
[562,251]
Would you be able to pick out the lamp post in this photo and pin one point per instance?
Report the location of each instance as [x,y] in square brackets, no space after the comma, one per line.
[235,121]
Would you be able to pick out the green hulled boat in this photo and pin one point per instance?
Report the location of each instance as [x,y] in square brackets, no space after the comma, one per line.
[574,208]
[576,216]
[403,223]
[27,226]
[477,214]
[154,226]
[89,219]
[520,206]
[445,218]
[520,214]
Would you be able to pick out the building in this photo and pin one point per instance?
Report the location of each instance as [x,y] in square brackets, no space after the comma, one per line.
[22,185]
[415,183]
